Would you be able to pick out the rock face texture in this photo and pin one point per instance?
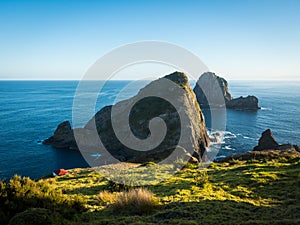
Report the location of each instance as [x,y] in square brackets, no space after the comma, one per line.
[266,141]
[63,137]
[181,120]
[214,93]
[211,82]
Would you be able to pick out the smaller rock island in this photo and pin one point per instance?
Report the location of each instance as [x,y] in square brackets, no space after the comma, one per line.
[211,84]
[268,148]
[268,142]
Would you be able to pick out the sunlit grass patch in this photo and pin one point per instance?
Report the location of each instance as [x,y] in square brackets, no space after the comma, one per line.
[106,197]
[135,201]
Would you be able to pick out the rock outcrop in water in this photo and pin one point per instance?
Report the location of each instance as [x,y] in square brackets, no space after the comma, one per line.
[267,149]
[268,142]
[243,103]
[63,137]
[142,111]
[214,86]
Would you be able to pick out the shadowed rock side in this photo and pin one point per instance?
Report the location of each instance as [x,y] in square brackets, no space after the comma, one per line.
[266,141]
[142,110]
[211,82]
[63,137]
[267,148]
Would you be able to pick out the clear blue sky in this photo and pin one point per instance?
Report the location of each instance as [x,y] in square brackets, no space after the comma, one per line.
[236,39]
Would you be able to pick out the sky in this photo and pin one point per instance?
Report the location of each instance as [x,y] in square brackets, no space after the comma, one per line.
[236,39]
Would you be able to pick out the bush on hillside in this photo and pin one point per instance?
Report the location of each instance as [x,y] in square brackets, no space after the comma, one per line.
[20,194]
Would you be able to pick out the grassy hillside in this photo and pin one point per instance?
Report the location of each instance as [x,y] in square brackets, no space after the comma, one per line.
[236,192]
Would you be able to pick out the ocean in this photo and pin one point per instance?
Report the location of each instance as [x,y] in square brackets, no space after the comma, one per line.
[31,110]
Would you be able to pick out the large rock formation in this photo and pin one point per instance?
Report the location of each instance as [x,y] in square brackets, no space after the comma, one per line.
[210,82]
[214,93]
[183,119]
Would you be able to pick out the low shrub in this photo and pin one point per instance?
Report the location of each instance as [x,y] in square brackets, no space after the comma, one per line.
[137,201]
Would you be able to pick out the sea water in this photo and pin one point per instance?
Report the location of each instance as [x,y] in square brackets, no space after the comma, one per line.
[31,110]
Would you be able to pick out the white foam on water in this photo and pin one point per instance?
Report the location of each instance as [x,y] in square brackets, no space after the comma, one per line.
[227,147]
[220,136]
[265,109]
[219,157]
[246,137]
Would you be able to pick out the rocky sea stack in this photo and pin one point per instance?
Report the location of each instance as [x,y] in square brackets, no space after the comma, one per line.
[182,116]
[210,82]
[267,149]
[215,89]
[243,103]
[268,142]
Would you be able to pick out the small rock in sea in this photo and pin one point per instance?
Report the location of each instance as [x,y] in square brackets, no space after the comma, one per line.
[268,142]
[243,103]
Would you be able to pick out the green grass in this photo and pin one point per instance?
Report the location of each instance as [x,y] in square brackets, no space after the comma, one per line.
[238,192]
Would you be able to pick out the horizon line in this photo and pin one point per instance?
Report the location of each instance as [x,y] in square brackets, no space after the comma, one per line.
[140,80]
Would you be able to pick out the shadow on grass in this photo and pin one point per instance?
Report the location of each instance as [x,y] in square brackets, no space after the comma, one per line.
[204,212]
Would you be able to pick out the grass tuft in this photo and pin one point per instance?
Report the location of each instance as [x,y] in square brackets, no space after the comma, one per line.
[137,201]
[106,197]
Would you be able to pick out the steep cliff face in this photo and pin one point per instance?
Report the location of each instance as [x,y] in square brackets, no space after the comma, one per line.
[166,108]
[213,93]
[211,82]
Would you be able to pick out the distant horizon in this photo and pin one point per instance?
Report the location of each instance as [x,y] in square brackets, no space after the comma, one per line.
[142,80]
